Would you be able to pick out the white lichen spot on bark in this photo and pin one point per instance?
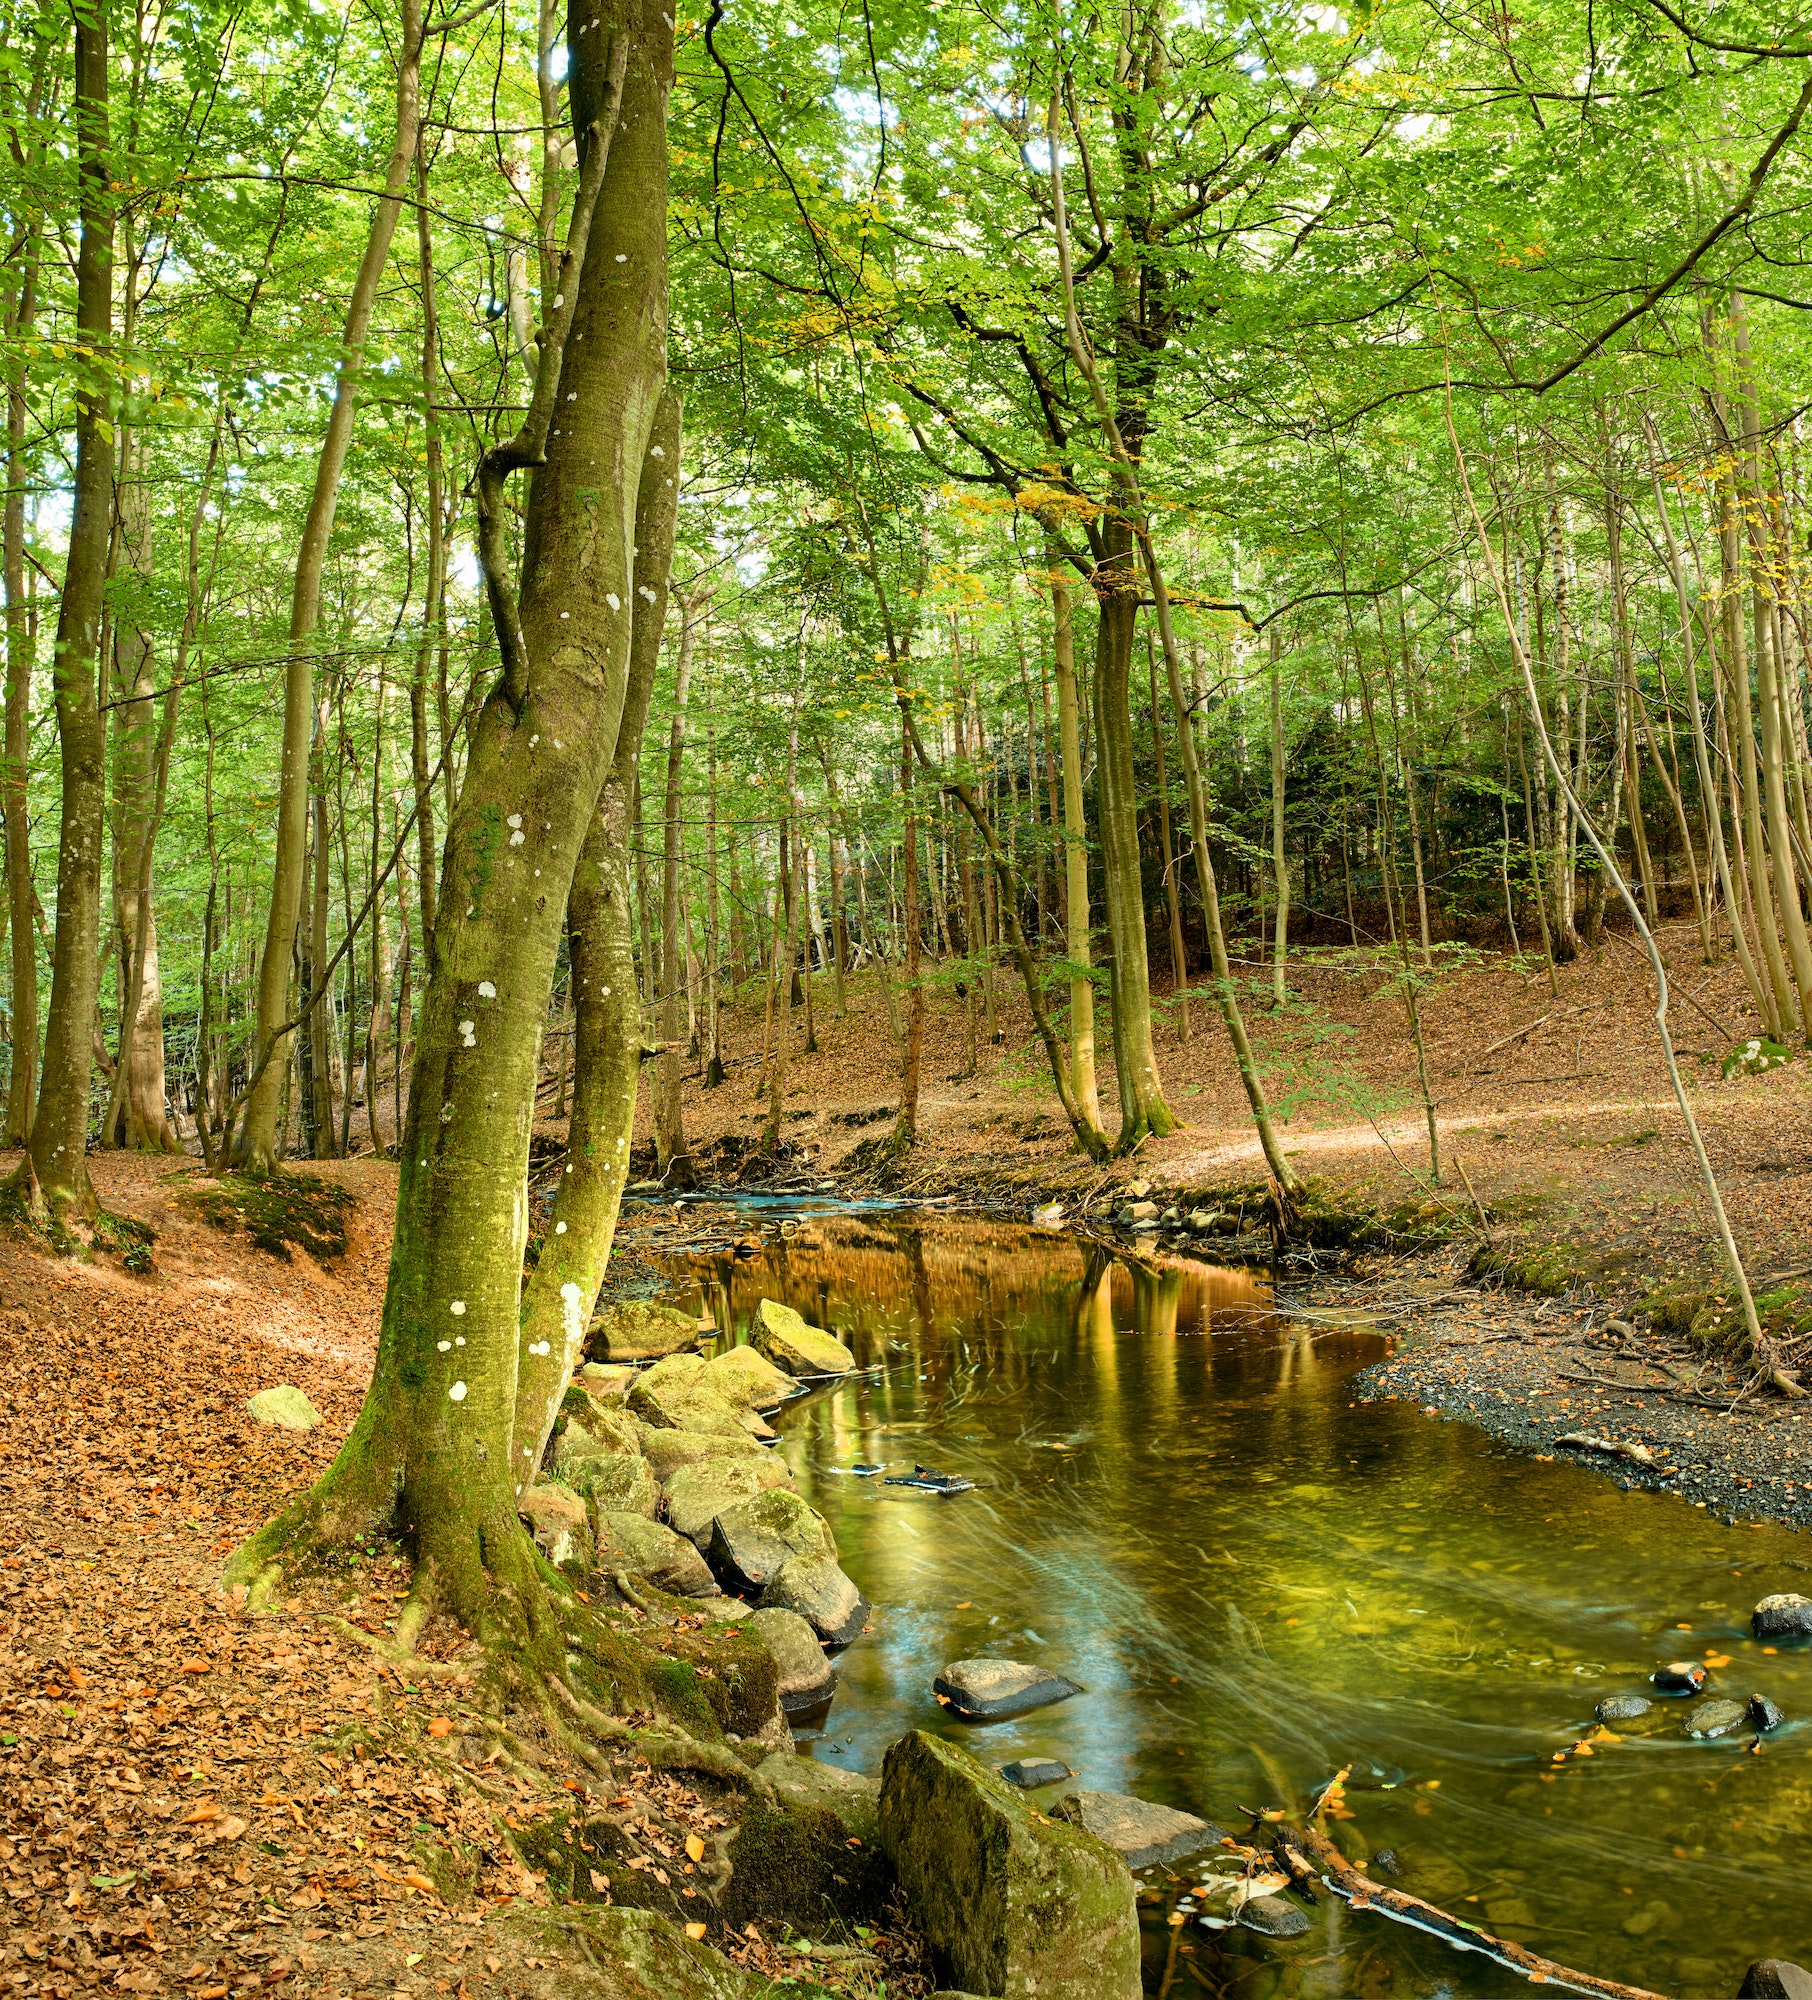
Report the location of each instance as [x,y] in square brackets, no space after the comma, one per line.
[572,1314]
[486,991]
[540,1347]
[458,1392]
[458,1308]
[559,1228]
[468,1033]
[613,600]
[444,1346]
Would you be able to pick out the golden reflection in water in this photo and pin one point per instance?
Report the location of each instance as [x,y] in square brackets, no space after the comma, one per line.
[1258,1580]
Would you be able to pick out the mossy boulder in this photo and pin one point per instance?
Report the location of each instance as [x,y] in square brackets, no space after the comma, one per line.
[752,1538]
[795,1860]
[748,1380]
[630,1541]
[286,1407]
[640,1330]
[609,1428]
[674,1395]
[615,1482]
[1009,1902]
[557,1519]
[852,1796]
[807,1678]
[815,1587]
[589,1952]
[667,1451]
[720,1680]
[697,1494]
[791,1344]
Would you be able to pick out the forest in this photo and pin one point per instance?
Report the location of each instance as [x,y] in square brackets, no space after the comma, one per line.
[558,564]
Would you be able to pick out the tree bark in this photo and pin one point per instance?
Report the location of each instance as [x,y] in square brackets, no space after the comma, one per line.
[672,1162]
[1075,850]
[54,1174]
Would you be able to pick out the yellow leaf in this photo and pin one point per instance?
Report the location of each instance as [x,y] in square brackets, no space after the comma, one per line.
[695,1848]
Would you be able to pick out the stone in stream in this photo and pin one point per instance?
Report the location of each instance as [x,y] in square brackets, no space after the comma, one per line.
[285,1407]
[674,1395]
[1387,1861]
[1715,1718]
[991,1690]
[1786,1615]
[1679,1677]
[807,1679]
[1143,1834]
[748,1380]
[1762,1713]
[632,1542]
[558,1521]
[1622,1707]
[640,1330]
[752,1538]
[817,1589]
[801,1350]
[667,1451]
[1008,1901]
[1775,1979]
[1271,1916]
[1030,1773]
[697,1494]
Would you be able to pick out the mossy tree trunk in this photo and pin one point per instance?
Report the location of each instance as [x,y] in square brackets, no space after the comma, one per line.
[54,1174]
[433,1453]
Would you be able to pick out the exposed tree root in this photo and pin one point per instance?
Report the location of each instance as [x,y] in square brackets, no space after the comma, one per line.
[662,1751]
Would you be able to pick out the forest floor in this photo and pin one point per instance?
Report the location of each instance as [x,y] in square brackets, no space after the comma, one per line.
[198,1801]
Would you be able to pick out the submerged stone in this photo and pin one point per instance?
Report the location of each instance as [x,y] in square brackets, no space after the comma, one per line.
[1786,1615]
[1622,1707]
[1715,1718]
[630,1541]
[791,1344]
[816,1588]
[1144,1834]
[1009,1902]
[991,1690]
[286,1407]
[752,1538]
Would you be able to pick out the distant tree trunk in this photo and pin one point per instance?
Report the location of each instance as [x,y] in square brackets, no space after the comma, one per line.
[1179,963]
[1280,865]
[54,1174]
[320,1022]
[905,1132]
[672,1161]
[433,595]
[714,1060]
[256,1146]
[1075,849]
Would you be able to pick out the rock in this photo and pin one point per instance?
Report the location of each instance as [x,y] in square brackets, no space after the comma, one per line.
[1140,1211]
[610,1428]
[632,1542]
[622,1953]
[1271,1916]
[1387,1861]
[1715,1718]
[1786,1615]
[697,1494]
[817,1589]
[1031,1773]
[852,1797]
[640,1330]
[990,1690]
[747,1380]
[784,1337]
[1142,1834]
[807,1678]
[674,1395]
[285,1406]
[615,1482]
[1679,1677]
[1047,1215]
[1622,1707]
[1008,1902]
[1763,1714]
[1202,1220]
[1775,1979]
[1138,1189]
[752,1538]
[557,1519]
[607,1381]
[667,1451]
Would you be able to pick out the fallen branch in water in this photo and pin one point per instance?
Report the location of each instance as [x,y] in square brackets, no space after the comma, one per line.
[1306,1854]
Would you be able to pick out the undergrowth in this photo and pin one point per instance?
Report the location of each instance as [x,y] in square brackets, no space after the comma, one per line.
[286,1209]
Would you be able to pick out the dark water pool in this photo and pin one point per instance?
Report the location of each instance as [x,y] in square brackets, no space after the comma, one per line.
[1179,1505]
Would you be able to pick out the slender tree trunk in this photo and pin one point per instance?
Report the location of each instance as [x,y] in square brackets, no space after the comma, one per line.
[433,595]
[1075,848]
[1280,866]
[1173,902]
[905,1132]
[672,1162]
[257,1140]
[54,1174]
[22,1085]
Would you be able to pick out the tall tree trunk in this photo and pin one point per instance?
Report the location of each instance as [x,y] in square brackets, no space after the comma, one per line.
[1173,901]
[434,593]
[672,1161]
[906,1123]
[256,1145]
[1280,866]
[1075,849]
[54,1173]
[436,1452]
[22,1084]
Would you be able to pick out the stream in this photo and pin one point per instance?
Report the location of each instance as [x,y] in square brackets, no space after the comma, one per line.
[1257,1580]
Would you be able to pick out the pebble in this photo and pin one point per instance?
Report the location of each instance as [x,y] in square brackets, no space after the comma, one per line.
[1679,1677]
[1030,1772]
[1622,1707]
[1715,1718]
[1763,1714]
[1271,1916]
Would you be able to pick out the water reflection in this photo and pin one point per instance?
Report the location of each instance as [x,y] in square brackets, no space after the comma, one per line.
[1179,1505]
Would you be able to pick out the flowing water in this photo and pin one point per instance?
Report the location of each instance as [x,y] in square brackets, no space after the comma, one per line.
[1257,1580]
